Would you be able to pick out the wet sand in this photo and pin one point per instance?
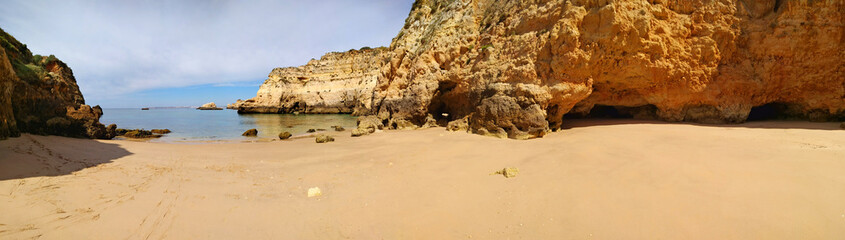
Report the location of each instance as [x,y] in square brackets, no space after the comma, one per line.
[597,179]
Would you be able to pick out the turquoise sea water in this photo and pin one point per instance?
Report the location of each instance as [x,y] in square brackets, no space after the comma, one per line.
[189,124]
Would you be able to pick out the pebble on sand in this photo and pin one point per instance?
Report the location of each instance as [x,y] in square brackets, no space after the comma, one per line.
[509,172]
[314,192]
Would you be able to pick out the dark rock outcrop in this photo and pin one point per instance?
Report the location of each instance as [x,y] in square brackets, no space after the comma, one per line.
[250,133]
[8,125]
[285,135]
[161,131]
[138,133]
[39,95]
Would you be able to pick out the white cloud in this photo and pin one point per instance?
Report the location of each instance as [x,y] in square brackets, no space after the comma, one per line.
[119,47]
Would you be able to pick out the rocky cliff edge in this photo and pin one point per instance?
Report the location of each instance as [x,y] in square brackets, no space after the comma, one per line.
[39,95]
[515,68]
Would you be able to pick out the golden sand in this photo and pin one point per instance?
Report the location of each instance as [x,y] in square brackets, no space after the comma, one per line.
[598,179]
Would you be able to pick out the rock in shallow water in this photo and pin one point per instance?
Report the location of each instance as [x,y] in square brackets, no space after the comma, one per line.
[209,106]
[136,133]
[161,131]
[250,133]
[284,135]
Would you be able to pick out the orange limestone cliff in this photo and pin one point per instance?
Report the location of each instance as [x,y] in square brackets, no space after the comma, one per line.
[333,84]
[515,68]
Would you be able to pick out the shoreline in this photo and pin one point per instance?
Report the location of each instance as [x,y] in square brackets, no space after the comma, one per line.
[566,126]
[332,133]
[602,179]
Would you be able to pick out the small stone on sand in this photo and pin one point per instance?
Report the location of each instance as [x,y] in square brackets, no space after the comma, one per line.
[507,172]
[314,192]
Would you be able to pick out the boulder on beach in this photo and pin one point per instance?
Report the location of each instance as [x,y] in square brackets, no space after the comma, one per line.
[367,125]
[311,130]
[284,135]
[111,130]
[323,138]
[461,125]
[209,106]
[338,128]
[250,133]
[360,132]
[370,122]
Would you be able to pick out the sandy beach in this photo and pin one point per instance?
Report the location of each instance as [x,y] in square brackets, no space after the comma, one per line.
[597,179]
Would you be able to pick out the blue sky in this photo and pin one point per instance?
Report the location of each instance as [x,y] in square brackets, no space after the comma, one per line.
[186,53]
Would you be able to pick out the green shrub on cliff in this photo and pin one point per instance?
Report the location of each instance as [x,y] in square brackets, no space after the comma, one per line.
[14,50]
[26,72]
[27,67]
[51,58]
[43,61]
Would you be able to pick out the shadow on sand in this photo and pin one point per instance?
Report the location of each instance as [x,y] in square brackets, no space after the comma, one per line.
[35,156]
[766,124]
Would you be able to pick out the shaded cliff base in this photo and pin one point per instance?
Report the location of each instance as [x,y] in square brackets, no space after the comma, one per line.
[604,179]
[439,117]
[709,114]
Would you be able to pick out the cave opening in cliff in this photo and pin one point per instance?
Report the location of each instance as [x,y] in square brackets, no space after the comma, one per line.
[439,107]
[616,112]
[770,111]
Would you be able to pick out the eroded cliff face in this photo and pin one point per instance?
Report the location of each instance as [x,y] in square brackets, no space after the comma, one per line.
[39,95]
[8,126]
[514,68]
[337,83]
